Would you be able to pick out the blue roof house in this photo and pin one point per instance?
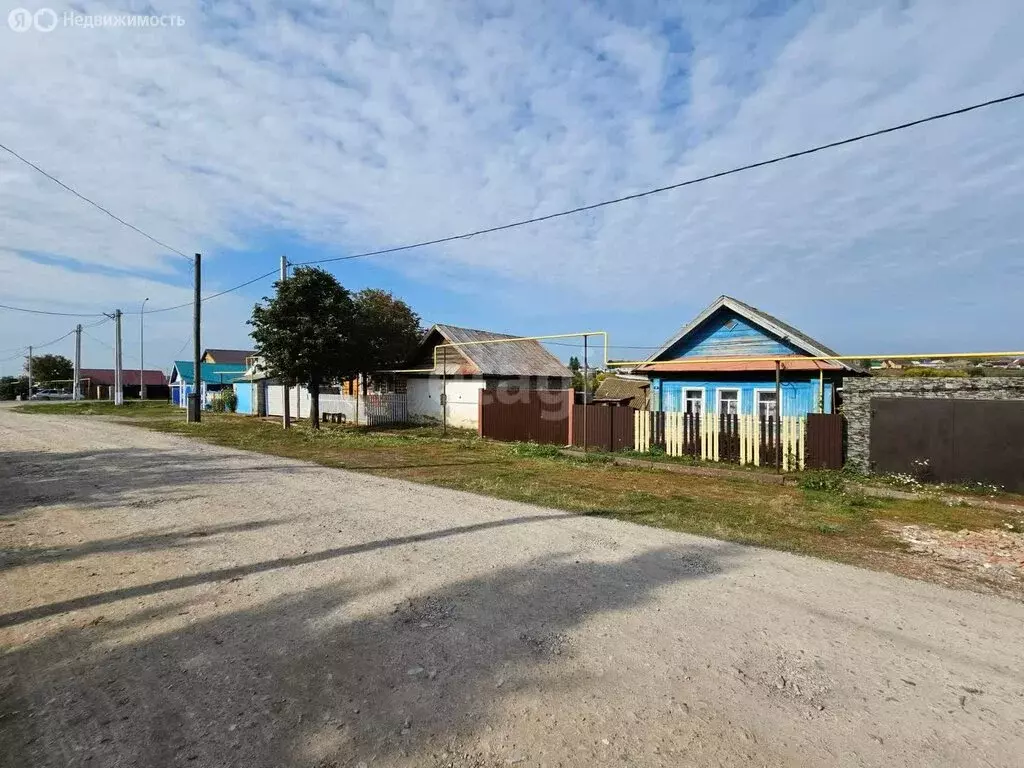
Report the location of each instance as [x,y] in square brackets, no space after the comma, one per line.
[213,378]
[725,361]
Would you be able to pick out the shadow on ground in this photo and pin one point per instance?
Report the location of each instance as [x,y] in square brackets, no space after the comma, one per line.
[303,680]
[166,537]
[118,477]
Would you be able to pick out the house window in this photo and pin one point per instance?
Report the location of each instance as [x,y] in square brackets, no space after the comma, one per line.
[767,405]
[694,401]
[729,402]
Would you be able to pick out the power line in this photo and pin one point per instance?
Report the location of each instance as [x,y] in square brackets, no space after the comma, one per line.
[93,203]
[547,217]
[678,185]
[212,295]
[47,312]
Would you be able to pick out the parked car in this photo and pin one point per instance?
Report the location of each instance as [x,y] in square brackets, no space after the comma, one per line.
[50,394]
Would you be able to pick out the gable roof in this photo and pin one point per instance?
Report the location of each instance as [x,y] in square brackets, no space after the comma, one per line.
[633,389]
[770,323]
[230,356]
[210,373]
[129,377]
[511,358]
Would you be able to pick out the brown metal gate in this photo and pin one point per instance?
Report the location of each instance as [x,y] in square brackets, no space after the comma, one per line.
[539,416]
[609,428]
[949,441]
[824,448]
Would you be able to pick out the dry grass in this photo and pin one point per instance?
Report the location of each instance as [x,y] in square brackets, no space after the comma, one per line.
[832,523]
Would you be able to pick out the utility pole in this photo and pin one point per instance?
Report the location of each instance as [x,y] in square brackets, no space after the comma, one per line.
[286,417]
[142,350]
[30,373]
[118,383]
[586,383]
[77,385]
[196,414]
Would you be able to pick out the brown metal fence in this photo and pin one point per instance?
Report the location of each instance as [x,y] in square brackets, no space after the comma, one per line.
[954,440]
[609,428]
[824,441]
[538,416]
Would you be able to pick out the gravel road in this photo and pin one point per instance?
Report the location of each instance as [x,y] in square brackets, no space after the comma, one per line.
[169,603]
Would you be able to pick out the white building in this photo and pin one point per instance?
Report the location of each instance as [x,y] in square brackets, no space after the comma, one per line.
[459,362]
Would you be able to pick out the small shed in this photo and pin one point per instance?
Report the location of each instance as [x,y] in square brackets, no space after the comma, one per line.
[468,360]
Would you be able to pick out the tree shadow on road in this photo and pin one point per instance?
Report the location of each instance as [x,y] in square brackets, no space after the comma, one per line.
[166,537]
[122,477]
[304,680]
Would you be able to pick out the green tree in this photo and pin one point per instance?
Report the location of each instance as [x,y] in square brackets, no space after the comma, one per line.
[388,330]
[47,368]
[314,331]
[12,386]
[307,332]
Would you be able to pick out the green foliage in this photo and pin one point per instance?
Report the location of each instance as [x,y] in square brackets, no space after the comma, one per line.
[826,480]
[229,399]
[12,386]
[975,372]
[574,365]
[306,333]
[46,368]
[934,373]
[389,330]
[535,450]
[314,331]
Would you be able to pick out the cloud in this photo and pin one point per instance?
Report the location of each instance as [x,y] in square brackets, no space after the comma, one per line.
[354,126]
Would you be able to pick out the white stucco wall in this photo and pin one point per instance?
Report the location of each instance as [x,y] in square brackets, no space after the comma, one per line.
[463,400]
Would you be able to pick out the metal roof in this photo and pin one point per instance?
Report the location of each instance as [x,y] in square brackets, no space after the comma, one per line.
[229,356]
[211,373]
[506,358]
[768,322]
[622,388]
[129,376]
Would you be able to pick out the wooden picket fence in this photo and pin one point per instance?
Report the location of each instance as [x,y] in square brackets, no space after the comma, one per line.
[741,439]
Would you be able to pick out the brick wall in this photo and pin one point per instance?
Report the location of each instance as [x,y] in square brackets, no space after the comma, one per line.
[857,394]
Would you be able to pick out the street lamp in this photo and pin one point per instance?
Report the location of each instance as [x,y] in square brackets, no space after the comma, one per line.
[142,350]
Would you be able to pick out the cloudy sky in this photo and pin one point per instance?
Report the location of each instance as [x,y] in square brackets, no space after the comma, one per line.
[323,129]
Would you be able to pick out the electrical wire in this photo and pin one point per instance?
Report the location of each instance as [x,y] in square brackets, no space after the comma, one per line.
[211,296]
[546,217]
[677,185]
[47,312]
[93,203]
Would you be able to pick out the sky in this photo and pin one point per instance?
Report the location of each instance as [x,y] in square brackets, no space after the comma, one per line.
[324,129]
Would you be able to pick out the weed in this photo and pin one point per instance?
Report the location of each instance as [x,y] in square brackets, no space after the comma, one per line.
[829,481]
[535,450]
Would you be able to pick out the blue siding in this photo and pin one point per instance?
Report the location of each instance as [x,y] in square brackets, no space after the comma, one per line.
[798,397]
[727,334]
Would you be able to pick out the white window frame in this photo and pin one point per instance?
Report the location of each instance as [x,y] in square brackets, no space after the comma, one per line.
[757,401]
[703,399]
[739,399]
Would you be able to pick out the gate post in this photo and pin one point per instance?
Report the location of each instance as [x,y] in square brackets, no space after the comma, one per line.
[571,401]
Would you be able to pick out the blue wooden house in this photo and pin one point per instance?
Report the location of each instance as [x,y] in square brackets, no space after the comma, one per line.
[725,361]
[213,377]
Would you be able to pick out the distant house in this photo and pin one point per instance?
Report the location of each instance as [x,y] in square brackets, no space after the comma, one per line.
[213,377]
[620,389]
[706,366]
[98,383]
[228,356]
[461,371]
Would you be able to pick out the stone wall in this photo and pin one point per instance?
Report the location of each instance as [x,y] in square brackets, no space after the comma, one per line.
[857,394]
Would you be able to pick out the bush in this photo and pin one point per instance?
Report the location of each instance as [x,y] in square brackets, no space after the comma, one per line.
[230,400]
[823,480]
[535,450]
[934,373]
